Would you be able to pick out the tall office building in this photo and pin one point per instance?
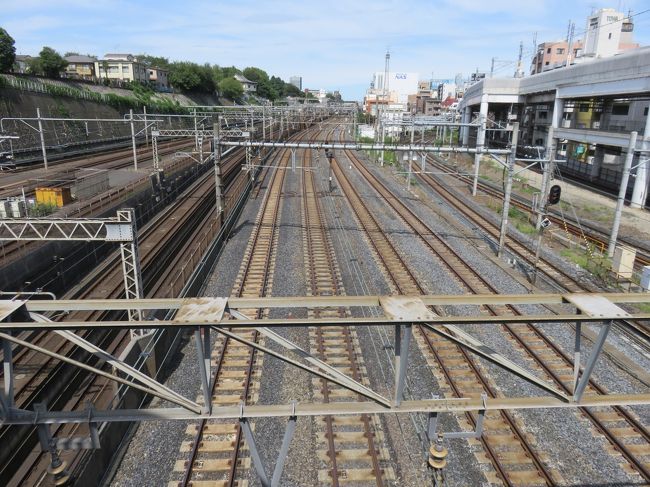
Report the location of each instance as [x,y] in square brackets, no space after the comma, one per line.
[296,81]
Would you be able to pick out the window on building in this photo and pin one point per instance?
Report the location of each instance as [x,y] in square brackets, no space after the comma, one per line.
[609,36]
[645,111]
[584,107]
[543,115]
[125,69]
[560,50]
[620,109]
[546,63]
[548,51]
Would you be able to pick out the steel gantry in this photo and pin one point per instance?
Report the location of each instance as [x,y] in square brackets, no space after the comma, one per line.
[36,124]
[225,316]
[120,229]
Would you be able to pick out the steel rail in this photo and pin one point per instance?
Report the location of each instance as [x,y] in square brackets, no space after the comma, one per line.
[455,268]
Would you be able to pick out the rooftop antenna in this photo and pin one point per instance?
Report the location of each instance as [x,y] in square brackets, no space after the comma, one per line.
[535,41]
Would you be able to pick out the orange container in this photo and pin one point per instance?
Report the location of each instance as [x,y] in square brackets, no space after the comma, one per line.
[53,196]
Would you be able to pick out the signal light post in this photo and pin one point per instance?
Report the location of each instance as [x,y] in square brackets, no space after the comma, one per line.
[330,155]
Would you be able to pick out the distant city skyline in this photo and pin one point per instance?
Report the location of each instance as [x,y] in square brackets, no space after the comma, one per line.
[335,48]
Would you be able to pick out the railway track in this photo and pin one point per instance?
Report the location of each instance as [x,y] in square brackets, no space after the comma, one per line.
[352,448]
[556,275]
[505,444]
[590,234]
[122,159]
[619,426]
[166,241]
[95,206]
[159,242]
[212,453]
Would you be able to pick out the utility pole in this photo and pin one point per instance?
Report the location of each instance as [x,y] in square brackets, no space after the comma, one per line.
[508,190]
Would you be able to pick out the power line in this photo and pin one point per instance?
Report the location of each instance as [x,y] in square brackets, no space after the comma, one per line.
[576,34]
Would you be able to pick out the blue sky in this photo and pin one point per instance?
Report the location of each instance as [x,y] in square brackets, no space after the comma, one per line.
[332,44]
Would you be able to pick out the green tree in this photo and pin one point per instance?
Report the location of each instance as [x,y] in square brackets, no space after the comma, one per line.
[7,51]
[278,86]
[266,90]
[219,73]
[231,88]
[184,76]
[291,90]
[255,74]
[156,61]
[229,72]
[188,76]
[51,63]
[34,66]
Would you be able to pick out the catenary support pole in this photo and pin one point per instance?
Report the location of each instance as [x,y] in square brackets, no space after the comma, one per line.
[408,177]
[621,193]
[146,133]
[7,366]
[548,169]
[42,136]
[217,170]
[508,189]
[135,150]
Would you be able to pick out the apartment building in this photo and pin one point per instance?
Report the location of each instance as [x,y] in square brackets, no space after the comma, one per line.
[158,77]
[80,67]
[607,33]
[122,67]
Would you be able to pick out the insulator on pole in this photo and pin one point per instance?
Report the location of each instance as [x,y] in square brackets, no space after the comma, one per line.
[438,455]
